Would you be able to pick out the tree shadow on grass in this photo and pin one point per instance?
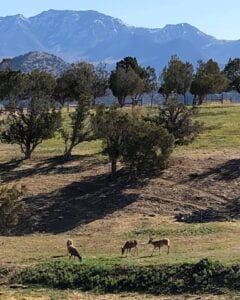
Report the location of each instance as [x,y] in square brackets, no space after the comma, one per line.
[10,166]
[229,212]
[76,204]
[9,171]
[227,171]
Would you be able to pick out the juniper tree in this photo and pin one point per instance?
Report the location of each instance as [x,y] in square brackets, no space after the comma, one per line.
[111,125]
[208,79]
[130,79]
[76,84]
[177,118]
[177,76]
[29,126]
[129,138]
[146,146]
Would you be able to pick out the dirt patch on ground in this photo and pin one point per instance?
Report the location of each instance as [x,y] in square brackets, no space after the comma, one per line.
[63,196]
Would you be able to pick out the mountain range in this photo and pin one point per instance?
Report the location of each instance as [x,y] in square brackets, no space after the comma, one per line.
[95,37]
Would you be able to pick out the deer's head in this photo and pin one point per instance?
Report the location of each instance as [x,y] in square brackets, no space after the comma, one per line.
[69,243]
[150,240]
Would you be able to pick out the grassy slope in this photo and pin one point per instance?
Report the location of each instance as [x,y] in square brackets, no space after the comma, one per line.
[222,128]
[189,242]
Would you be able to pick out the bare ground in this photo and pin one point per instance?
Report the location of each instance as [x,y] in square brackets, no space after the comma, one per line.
[198,187]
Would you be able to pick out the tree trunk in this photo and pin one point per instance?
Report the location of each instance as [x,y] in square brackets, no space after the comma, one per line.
[93,101]
[28,152]
[185,99]
[121,101]
[194,100]
[200,100]
[68,153]
[114,169]
[152,100]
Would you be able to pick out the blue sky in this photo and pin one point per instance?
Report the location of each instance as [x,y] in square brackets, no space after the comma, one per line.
[216,17]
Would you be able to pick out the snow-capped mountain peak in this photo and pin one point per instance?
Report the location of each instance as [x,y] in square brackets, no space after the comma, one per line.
[93,36]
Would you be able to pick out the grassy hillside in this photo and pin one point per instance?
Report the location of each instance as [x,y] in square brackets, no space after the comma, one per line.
[76,200]
[222,128]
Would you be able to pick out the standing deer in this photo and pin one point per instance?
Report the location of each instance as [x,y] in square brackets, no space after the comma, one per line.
[128,246]
[159,243]
[73,250]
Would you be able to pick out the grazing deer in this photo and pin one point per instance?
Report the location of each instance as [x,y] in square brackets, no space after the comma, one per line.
[159,243]
[128,246]
[73,250]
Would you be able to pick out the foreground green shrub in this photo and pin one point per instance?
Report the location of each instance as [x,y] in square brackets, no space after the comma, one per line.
[11,206]
[204,276]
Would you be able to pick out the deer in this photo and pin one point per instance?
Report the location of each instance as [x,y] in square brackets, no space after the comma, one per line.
[128,246]
[73,250]
[159,243]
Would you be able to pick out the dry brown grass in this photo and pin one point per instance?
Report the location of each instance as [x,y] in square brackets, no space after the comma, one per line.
[43,294]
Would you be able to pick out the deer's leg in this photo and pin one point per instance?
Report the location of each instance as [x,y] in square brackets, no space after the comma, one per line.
[153,251]
[137,250]
[134,251]
[168,249]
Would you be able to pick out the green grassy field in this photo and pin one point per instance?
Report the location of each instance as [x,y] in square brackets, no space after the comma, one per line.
[222,125]
[189,243]
[100,240]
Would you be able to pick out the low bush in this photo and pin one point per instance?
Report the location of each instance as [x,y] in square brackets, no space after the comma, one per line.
[204,276]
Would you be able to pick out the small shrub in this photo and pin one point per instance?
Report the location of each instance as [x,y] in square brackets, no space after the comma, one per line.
[11,206]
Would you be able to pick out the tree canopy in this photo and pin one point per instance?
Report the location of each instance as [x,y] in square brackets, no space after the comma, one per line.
[130,79]
[76,84]
[208,79]
[39,120]
[232,72]
[176,77]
